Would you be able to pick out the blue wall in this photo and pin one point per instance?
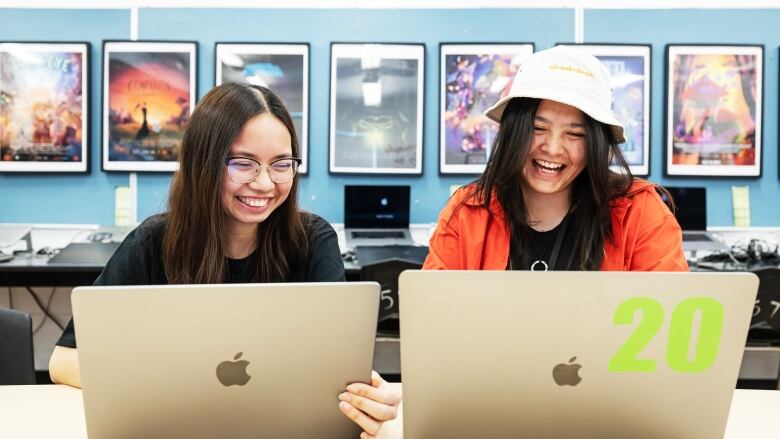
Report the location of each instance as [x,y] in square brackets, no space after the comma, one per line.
[89,199]
[65,198]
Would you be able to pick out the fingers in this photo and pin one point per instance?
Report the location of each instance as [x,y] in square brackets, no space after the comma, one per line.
[374,409]
[368,424]
[379,391]
[370,406]
[376,379]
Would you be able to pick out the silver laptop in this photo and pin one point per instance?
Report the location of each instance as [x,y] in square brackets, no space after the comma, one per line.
[691,214]
[376,215]
[571,354]
[227,361]
[10,234]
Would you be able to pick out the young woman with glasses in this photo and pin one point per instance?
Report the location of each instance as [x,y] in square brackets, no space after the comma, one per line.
[233,217]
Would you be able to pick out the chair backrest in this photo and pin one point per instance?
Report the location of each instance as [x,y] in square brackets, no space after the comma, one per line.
[766,314]
[386,273]
[17,365]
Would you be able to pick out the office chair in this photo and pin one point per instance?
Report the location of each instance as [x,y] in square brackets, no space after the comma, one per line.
[386,274]
[767,312]
[17,365]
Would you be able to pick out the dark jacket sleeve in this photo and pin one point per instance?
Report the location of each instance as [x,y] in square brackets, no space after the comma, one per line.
[129,265]
[325,264]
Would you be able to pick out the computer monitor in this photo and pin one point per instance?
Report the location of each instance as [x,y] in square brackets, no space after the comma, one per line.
[376,207]
[691,205]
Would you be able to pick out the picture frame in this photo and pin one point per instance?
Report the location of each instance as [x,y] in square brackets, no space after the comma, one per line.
[44,107]
[149,92]
[472,77]
[281,67]
[376,108]
[629,66]
[714,110]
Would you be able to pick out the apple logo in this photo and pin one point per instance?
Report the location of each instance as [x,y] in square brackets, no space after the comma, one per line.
[231,373]
[567,374]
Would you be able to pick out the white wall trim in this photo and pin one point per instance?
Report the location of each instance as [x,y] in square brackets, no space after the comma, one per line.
[133,177]
[393,4]
[134,24]
[579,25]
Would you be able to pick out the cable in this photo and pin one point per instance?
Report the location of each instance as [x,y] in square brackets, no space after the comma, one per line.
[45,309]
[48,302]
[10,298]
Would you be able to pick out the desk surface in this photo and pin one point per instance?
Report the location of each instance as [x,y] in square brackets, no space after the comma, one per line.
[56,411]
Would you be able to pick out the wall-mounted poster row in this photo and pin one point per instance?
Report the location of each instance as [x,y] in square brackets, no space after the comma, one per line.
[376,108]
[283,68]
[713,120]
[44,99]
[148,96]
[714,110]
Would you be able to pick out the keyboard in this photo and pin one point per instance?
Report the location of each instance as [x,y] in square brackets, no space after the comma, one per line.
[379,234]
[371,254]
[696,237]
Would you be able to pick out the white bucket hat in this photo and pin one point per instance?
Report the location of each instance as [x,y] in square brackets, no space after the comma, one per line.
[569,76]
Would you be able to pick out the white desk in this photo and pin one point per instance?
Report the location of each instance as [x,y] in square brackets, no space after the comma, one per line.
[57,412]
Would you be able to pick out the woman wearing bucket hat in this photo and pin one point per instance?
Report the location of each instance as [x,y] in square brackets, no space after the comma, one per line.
[548,199]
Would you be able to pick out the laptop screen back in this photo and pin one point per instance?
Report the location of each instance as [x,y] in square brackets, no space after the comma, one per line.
[376,207]
[691,205]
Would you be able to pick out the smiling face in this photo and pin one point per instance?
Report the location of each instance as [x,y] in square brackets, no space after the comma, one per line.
[263,138]
[558,153]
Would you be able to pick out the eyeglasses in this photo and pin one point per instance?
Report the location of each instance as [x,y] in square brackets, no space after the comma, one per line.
[245,170]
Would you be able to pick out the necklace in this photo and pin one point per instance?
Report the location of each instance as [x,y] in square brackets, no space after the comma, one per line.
[556,248]
[539,262]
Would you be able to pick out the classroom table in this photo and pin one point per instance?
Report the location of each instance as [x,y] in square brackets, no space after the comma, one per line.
[56,411]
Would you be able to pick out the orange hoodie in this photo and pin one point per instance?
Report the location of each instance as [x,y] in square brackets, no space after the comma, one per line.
[647,236]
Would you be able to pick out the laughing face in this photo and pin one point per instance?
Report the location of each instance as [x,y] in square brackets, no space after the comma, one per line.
[557,155]
[264,138]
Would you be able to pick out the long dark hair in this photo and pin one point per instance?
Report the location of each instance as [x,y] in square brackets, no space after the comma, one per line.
[194,244]
[592,191]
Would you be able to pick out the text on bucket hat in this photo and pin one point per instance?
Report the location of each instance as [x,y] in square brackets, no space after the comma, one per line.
[569,76]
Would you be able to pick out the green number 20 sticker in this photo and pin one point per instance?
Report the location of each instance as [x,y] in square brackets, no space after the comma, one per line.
[681,332]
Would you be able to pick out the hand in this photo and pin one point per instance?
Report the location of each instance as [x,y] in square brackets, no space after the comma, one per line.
[369,406]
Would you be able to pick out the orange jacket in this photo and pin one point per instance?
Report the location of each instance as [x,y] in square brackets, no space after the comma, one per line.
[647,236]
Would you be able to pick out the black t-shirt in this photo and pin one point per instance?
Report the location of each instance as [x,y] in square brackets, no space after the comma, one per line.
[541,248]
[138,261]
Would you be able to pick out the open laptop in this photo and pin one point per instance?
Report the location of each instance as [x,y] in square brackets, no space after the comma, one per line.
[376,215]
[571,354]
[227,361]
[691,214]
[88,253]
[372,254]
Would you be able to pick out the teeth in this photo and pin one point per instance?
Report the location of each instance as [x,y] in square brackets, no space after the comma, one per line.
[549,165]
[254,202]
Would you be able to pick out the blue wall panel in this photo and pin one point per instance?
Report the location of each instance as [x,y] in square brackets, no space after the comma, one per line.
[63,198]
[660,28]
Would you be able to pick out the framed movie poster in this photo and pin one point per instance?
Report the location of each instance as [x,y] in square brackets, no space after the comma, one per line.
[714,110]
[473,77]
[283,68]
[44,103]
[629,67]
[376,108]
[148,96]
